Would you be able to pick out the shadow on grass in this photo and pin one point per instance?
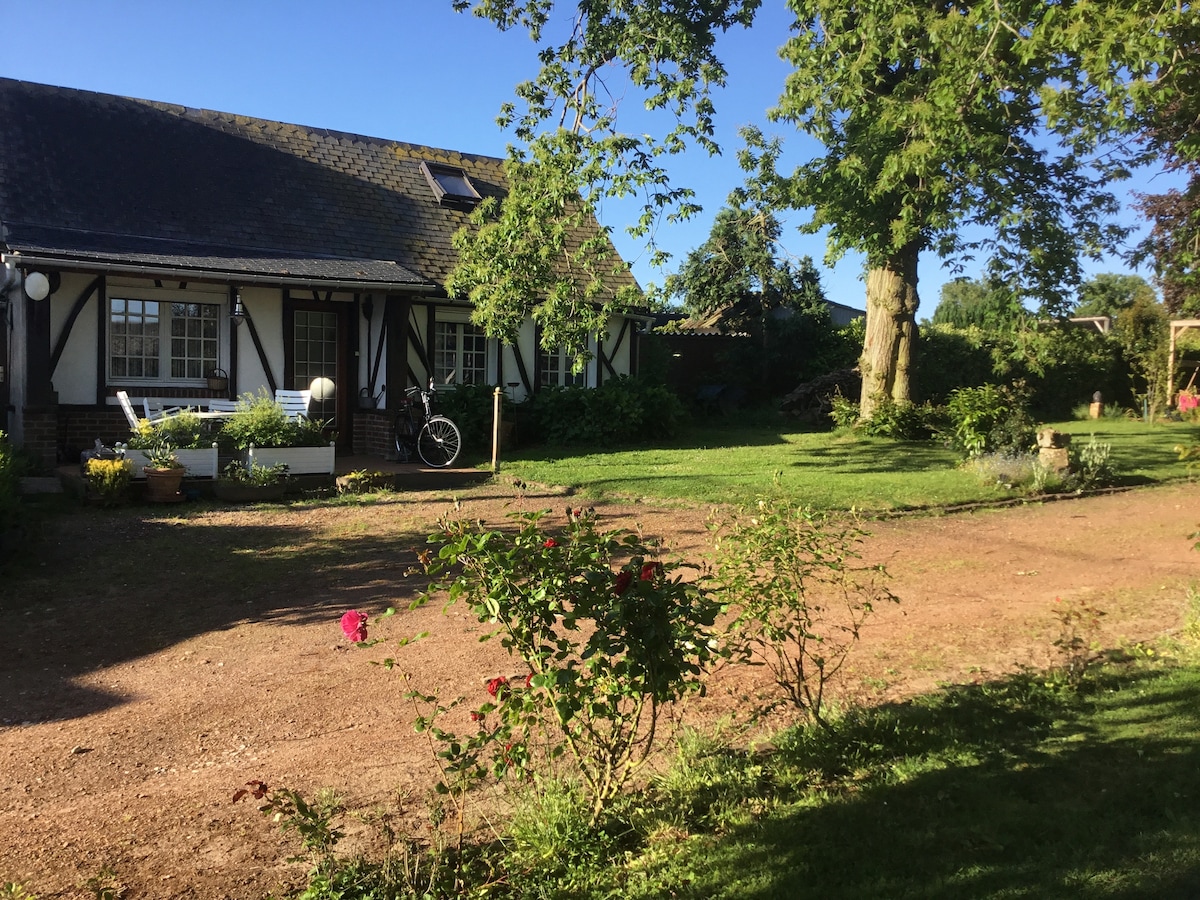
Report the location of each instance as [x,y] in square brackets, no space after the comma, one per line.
[100,588]
[870,457]
[1012,796]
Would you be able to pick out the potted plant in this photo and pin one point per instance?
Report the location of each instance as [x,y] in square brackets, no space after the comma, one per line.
[185,435]
[266,435]
[164,474]
[241,483]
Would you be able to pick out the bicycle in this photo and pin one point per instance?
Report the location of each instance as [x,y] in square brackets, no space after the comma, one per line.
[418,431]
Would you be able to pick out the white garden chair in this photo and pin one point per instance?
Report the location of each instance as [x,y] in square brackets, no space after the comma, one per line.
[127,408]
[218,405]
[156,412]
[294,403]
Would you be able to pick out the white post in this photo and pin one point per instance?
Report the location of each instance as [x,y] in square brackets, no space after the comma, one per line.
[497,396]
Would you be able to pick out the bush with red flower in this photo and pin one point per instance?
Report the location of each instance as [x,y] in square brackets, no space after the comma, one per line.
[609,633]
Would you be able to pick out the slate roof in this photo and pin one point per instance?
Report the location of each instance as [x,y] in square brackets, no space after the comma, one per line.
[116,180]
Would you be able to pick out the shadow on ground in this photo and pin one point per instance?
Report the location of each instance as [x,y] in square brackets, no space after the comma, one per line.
[97,588]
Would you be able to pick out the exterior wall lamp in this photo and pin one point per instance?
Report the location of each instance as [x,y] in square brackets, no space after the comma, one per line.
[237,315]
[37,286]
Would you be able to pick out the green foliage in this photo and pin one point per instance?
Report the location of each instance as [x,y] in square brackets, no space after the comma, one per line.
[10,472]
[843,412]
[1093,464]
[11,890]
[523,255]
[260,421]
[968,303]
[622,410]
[903,421]
[109,479]
[798,595]
[161,455]
[362,481]
[312,822]
[1109,293]
[183,431]
[989,419]
[255,474]
[550,838]
[605,648]
[469,406]
[1141,329]
[1077,643]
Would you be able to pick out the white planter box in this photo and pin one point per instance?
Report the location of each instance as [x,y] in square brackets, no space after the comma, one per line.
[299,460]
[198,463]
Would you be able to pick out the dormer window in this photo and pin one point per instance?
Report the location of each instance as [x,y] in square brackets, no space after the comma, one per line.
[450,185]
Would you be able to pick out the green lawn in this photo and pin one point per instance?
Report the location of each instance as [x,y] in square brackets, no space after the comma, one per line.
[1004,790]
[727,464]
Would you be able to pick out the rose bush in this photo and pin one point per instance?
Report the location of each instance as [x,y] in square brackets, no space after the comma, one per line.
[607,633]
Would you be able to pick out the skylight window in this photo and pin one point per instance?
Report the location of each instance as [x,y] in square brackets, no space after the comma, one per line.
[450,185]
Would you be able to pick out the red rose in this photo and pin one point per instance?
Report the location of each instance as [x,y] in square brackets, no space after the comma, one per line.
[650,570]
[529,680]
[550,542]
[624,579]
[354,626]
[496,685]
[476,717]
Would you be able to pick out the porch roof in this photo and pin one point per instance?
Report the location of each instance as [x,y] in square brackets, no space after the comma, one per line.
[157,257]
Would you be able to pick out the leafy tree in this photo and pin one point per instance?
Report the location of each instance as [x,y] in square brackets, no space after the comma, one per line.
[987,304]
[932,116]
[1108,294]
[1170,131]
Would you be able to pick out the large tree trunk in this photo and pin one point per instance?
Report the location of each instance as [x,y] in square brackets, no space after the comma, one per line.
[892,301]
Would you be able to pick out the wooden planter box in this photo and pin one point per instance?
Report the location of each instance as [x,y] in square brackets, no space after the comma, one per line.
[299,460]
[197,463]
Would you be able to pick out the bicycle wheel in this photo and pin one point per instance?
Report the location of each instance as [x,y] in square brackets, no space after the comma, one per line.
[439,442]
[404,434]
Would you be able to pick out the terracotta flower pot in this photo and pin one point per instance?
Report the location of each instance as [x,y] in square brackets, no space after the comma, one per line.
[162,485]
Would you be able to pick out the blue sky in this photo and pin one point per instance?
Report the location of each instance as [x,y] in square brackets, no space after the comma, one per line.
[409,70]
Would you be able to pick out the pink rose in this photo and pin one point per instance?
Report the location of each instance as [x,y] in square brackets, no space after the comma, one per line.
[354,626]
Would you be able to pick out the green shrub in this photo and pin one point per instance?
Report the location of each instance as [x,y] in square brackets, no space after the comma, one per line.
[10,471]
[904,421]
[470,407]
[182,432]
[621,411]
[989,419]
[1093,464]
[260,421]
[109,479]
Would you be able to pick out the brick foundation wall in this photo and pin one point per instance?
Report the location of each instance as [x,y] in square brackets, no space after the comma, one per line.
[41,434]
[79,426]
[373,433]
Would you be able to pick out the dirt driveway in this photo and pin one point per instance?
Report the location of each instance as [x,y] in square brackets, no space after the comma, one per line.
[141,684]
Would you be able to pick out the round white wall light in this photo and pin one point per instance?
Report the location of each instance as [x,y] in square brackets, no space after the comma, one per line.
[37,286]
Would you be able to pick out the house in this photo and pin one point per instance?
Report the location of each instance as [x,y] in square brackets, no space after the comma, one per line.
[184,255]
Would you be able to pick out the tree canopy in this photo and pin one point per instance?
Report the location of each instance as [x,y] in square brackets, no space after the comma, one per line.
[932,117]
[1109,293]
[987,303]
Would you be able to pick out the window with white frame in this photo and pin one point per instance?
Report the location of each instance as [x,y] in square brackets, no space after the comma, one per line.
[557,369]
[459,353]
[163,338]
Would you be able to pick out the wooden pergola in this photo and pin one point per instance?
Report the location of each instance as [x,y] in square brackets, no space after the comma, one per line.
[1178,327]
